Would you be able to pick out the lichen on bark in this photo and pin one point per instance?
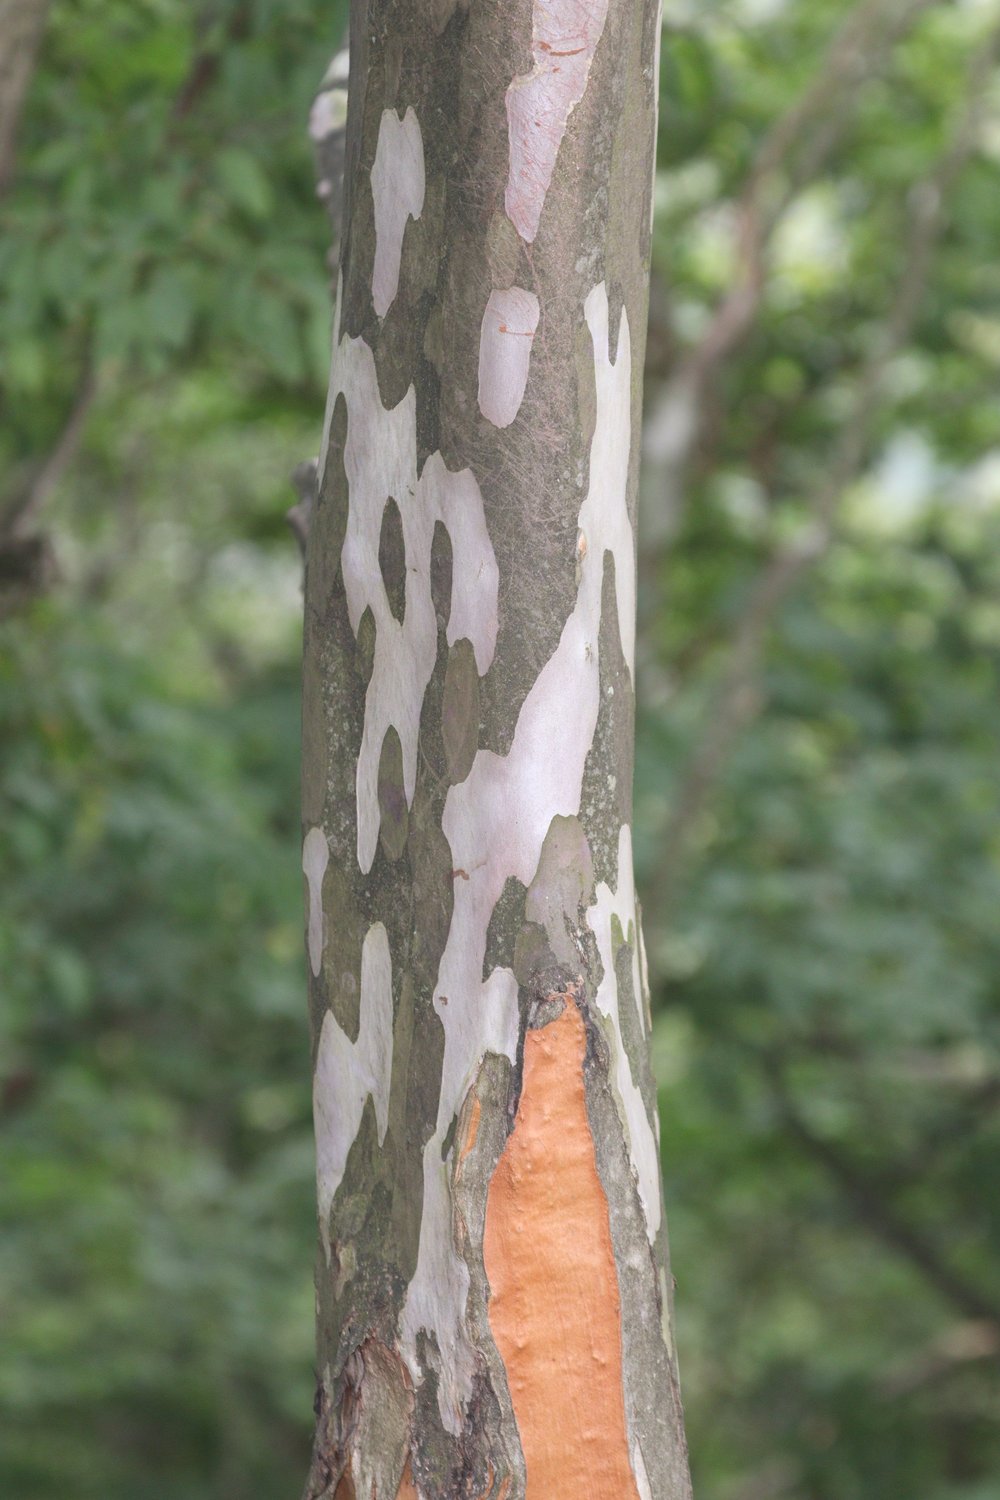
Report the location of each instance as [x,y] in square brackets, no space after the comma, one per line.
[468,706]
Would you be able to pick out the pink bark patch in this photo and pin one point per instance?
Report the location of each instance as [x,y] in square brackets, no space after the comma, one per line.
[505,340]
[564,38]
[398,195]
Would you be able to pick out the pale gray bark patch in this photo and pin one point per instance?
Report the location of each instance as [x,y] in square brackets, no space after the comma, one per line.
[613,920]
[398,193]
[315,858]
[564,37]
[348,1073]
[505,341]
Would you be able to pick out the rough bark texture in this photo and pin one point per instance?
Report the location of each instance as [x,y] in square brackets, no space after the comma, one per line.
[493,1298]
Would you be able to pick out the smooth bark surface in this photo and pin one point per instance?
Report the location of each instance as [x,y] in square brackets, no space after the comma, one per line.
[493,1296]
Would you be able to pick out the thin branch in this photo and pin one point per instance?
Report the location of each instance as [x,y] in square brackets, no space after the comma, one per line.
[739,698]
[789,157]
[204,70]
[23,512]
[873,1208]
[956,1347]
[955,1126]
[22,24]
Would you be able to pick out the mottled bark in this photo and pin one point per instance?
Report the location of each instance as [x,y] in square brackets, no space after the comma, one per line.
[493,1297]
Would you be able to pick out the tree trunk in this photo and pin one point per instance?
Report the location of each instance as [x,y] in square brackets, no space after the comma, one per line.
[493,1297]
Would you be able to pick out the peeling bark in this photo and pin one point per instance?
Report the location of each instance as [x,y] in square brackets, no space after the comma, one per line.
[493,1301]
[554,1308]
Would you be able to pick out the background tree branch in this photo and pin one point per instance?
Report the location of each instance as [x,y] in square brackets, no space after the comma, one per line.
[738,698]
[791,155]
[22,25]
[871,1201]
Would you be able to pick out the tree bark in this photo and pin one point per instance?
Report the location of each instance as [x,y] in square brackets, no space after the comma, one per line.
[493,1295]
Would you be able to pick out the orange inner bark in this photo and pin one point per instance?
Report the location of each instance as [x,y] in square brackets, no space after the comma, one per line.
[554,1305]
[407,1489]
[345,1489]
[473,1131]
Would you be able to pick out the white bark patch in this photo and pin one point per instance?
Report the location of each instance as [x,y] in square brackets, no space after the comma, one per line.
[478,1019]
[641,1474]
[564,38]
[398,195]
[315,858]
[328,113]
[347,1072]
[508,331]
[338,69]
[495,822]
[380,458]
[639,1132]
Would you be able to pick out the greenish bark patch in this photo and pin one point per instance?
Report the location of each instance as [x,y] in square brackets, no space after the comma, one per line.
[392,558]
[562,889]
[395,816]
[365,658]
[460,711]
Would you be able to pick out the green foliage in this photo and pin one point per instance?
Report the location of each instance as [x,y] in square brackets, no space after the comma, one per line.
[828,1025]
[827,1028]
[834,955]
[162,233]
[163,208]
